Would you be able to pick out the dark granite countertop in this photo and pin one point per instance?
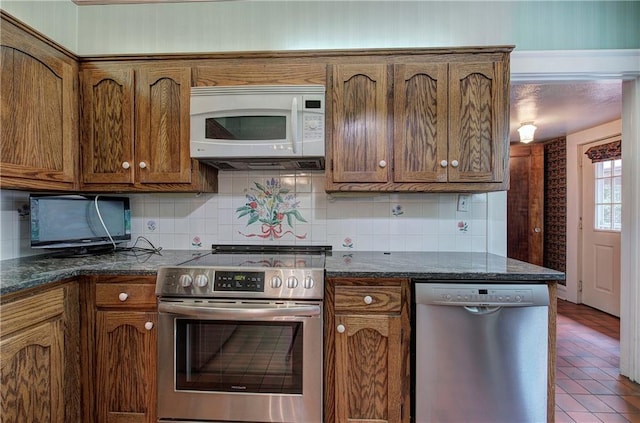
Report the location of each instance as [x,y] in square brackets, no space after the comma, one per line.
[28,272]
[435,265]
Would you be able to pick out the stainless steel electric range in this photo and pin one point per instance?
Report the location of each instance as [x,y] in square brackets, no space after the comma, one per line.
[240,335]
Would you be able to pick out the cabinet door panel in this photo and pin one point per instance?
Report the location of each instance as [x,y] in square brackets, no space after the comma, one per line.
[38,111]
[360,134]
[32,375]
[108,126]
[475,139]
[420,122]
[368,369]
[126,366]
[163,125]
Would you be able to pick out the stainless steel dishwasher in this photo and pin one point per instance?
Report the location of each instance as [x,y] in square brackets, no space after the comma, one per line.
[480,352]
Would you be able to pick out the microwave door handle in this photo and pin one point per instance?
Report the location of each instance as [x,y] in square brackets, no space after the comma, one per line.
[238,312]
[294,124]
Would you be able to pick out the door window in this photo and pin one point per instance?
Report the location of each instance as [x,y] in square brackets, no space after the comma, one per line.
[608,195]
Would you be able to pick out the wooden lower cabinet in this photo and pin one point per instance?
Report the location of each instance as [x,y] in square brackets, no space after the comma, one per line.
[122,339]
[126,366]
[367,351]
[39,370]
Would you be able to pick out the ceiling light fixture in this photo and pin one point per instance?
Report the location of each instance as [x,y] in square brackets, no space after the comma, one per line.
[526,131]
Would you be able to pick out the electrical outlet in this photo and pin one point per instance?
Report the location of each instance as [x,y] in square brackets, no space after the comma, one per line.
[463,202]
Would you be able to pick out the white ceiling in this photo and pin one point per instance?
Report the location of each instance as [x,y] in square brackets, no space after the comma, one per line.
[561,108]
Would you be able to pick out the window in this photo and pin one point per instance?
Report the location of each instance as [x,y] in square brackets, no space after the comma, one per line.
[608,195]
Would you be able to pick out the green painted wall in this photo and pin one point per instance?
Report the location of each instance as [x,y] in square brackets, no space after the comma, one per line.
[316,24]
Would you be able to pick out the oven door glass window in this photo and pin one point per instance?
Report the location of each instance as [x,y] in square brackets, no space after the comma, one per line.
[246,128]
[231,356]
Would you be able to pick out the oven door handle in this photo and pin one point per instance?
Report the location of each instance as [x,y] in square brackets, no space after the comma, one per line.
[238,312]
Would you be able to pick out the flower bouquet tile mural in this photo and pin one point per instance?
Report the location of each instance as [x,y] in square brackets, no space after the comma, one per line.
[268,207]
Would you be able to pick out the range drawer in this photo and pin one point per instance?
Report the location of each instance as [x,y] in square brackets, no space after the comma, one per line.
[125,295]
[368,299]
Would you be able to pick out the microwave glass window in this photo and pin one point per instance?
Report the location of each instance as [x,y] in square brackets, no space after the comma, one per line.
[246,128]
[230,356]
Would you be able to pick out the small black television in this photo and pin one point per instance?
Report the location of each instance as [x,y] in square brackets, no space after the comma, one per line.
[79,224]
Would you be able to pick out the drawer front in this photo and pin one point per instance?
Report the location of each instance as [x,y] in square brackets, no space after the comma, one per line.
[125,295]
[369,299]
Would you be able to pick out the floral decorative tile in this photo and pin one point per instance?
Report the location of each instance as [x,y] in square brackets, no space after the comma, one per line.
[463,226]
[269,207]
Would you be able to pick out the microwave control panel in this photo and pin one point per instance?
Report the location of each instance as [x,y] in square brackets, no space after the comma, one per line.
[313,117]
[313,127]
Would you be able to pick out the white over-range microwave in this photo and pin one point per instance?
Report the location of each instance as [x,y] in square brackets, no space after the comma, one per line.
[259,127]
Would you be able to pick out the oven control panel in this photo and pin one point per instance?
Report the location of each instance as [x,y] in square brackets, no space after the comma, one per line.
[218,282]
[239,281]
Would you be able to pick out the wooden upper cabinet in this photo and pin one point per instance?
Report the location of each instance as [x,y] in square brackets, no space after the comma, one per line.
[163,120]
[360,139]
[107,118]
[135,130]
[420,122]
[448,115]
[477,100]
[38,112]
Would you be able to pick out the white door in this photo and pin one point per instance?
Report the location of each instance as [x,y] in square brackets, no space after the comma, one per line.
[601,225]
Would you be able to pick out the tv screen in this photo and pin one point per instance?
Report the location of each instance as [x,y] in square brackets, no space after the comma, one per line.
[79,221]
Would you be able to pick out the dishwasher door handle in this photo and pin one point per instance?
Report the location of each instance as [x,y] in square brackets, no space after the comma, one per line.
[482,310]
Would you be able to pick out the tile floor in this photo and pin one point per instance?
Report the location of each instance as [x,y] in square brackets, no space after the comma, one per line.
[588,385]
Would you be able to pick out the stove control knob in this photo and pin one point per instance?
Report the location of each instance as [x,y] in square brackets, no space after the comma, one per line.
[186,281]
[201,280]
[308,282]
[292,282]
[275,282]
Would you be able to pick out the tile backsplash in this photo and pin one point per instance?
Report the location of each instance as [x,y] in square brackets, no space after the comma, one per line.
[288,208]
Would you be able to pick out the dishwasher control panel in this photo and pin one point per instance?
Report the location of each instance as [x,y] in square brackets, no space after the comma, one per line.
[481,295]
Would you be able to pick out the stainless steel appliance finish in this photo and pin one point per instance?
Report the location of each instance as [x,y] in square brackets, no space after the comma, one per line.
[480,352]
[259,127]
[240,337]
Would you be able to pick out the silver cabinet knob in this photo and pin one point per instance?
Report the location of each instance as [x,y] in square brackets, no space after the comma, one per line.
[537,230]
[368,299]
[126,165]
[148,325]
[123,296]
[142,165]
[383,163]
[341,328]
[454,163]
[444,163]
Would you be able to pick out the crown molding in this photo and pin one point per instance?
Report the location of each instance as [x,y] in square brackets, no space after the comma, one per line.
[574,65]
